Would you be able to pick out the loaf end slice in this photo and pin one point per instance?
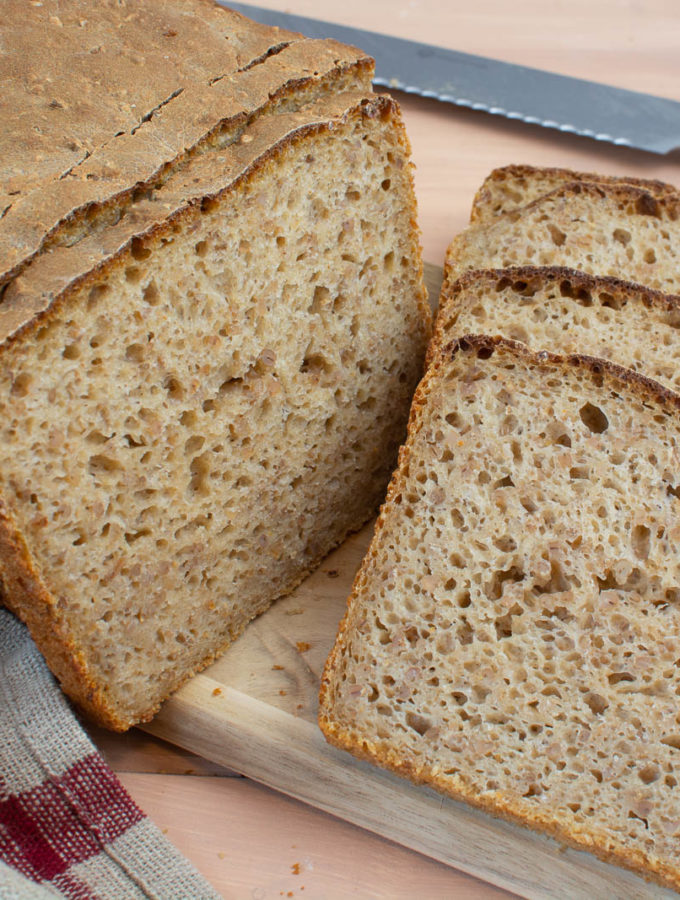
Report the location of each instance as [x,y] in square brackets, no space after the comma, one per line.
[568,311]
[510,639]
[199,402]
[616,230]
[514,186]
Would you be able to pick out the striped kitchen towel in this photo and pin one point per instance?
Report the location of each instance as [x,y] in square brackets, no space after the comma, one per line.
[67,826]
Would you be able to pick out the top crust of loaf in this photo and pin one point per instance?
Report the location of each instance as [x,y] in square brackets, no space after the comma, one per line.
[515,185]
[51,276]
[101,104]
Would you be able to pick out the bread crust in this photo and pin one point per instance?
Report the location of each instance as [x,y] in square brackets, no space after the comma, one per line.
[591,285]
[379,752]
[23,592]
[630,200]
[53,277]
[229,68]
[482,203]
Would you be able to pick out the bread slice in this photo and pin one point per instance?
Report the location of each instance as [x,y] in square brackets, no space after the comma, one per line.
[511,187]
[510,639]
[204,383]
[568,312]
[603,229]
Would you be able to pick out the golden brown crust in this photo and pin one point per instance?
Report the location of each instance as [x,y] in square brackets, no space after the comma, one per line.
[380,752]
[626,199]
[23,591]
[482,204]
[84,146]
[499,806]
[47,284]
[645,387]
[617,287]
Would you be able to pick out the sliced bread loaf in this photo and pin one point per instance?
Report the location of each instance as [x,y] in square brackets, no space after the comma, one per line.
[569,312]
[511,639]
[603,229]
[205,380]
[511,187]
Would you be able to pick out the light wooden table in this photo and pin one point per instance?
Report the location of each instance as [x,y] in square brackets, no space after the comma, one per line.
[249,841]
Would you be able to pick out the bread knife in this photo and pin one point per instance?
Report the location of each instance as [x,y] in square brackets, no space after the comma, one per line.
[573,105]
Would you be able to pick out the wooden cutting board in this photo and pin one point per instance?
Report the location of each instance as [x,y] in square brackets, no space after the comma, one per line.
[254,711]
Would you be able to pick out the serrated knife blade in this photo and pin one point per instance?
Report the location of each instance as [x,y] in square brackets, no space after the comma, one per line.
[573,105]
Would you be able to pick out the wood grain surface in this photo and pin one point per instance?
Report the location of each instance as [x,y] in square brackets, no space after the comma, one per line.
[251,853]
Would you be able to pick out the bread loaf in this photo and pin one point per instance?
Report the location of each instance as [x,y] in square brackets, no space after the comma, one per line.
[212,322]
[514,186]
[569,312]
[510,639]
[604,229]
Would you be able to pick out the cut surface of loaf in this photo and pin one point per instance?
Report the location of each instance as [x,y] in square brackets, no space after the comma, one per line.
[603,229]
[511,187]
[568,312]
[511,637]
[204,393]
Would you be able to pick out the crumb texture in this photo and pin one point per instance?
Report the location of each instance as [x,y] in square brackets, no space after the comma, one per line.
[511,637]
[619,231]
[188,435]
[567,311]
[515,186]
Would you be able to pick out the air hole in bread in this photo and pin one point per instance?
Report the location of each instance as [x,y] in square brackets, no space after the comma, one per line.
[150,294]
[557,236]
[640,541]
[138,251]
[649,773]
[594,418]
[101,464]
[622,236]
[495,588]
[21,384]
[134,353]
[418,723]
[320,300]
[174,387]
[596,702]
[72,351]
[618,677]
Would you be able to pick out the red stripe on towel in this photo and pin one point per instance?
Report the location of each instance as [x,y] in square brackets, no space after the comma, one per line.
[65,820]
